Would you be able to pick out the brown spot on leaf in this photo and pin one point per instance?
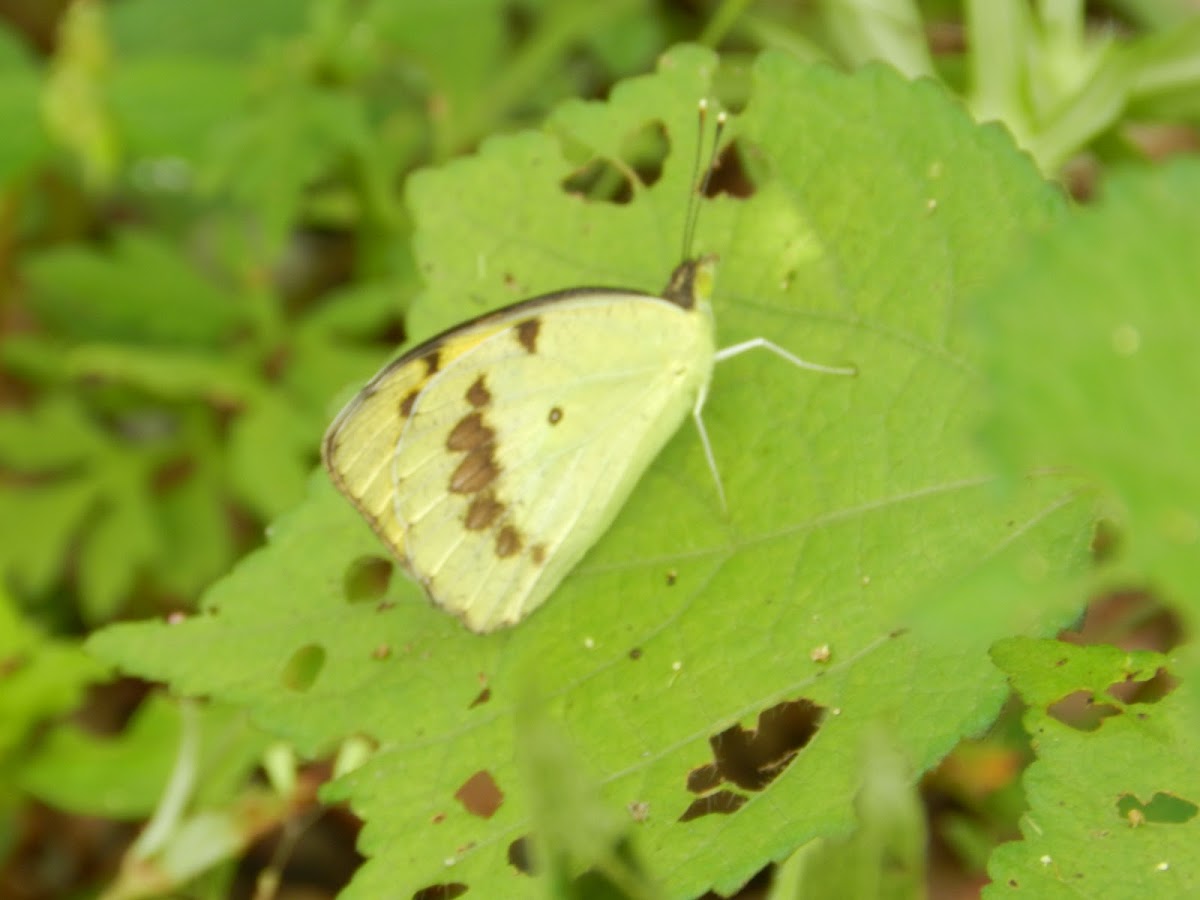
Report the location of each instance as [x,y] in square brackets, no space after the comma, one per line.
[635,653]
[480,795]
[508,542]
[475,472]
[477,394]
[470,434]
[721,803]
[483,511]
[481,698]
[527,334]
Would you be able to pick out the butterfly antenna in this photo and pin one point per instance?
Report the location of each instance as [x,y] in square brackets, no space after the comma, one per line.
[700,182]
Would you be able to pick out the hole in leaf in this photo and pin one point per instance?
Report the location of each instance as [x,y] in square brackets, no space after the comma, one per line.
[599,180]
[1163,809]
[753,759]
[519,856]
[642,155]
[721,803]
[645,151]
[441,891]
[302,669]
[367,579]
[729,175]
[1149,690]
[704,778]
[483,697]
[1137,614]
[1079,711]
[480,795]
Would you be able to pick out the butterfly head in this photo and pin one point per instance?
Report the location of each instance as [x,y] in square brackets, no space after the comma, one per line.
[691,284]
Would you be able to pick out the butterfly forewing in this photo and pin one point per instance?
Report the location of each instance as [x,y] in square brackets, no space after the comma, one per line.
[493,472]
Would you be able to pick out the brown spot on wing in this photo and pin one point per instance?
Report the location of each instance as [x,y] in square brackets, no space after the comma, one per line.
[475,472]
[538,553]
[470,434]
[483,511]
[555,416]
[433,362]
[508,542]
[410,399]
[527,334]
[477,394]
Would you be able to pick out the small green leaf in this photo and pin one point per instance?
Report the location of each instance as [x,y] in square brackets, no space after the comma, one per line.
[1078,833]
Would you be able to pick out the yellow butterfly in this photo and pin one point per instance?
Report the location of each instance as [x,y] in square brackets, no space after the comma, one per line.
[491,457]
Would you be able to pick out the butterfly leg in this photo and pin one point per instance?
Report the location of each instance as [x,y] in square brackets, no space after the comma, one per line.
[698,418]
[760,343]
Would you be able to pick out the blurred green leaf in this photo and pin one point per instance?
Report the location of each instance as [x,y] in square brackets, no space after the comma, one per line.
[1088,345]
[268,446]
[122,776]
[74,106]
[582,844]
[885,855]
[269,157]
[40,677]
[173,107]
[140,290]
[229,29]
[24,139]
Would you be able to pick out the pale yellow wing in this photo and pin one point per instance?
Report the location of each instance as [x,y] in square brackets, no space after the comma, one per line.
[493,457]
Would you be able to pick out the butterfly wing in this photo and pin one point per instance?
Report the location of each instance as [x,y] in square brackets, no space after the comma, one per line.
[493,457]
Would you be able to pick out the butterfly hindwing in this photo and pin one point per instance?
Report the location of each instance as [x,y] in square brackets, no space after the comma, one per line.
[493,472]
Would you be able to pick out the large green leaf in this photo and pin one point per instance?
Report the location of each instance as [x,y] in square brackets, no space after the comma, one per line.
[777,626]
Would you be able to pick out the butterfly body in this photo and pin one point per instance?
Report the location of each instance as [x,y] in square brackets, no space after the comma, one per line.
[493,456]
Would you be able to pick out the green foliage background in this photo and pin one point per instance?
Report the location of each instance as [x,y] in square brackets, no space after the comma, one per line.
[209,241]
